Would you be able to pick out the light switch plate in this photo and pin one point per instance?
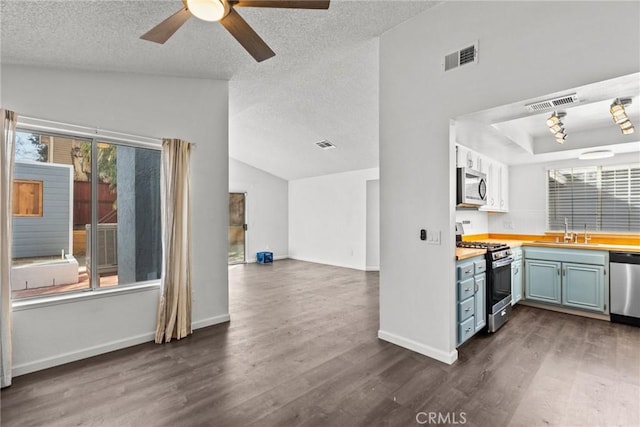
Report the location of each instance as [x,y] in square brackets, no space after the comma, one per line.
[433,237]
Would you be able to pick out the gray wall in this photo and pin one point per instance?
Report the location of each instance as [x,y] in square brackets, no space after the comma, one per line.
[49,234]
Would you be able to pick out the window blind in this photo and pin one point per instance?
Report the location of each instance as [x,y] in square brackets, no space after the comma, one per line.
[605,198]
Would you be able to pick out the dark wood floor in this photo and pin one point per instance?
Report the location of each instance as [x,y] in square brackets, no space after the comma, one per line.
[301,349]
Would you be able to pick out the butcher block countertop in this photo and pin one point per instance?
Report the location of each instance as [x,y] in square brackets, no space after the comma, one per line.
[465,253]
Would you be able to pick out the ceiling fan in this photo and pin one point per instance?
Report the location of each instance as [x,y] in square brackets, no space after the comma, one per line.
[224,12]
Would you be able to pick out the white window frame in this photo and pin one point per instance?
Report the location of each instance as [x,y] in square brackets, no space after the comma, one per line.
[93,135]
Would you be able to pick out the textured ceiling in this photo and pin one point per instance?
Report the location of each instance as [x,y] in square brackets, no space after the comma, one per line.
[322,83]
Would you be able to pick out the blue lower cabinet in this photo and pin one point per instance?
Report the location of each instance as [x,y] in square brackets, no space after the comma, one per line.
[480,301]
[583,286]
[466,330]
[573,278]
[466,289]
[517,276]
[466,309]
[543,281]
[470,297]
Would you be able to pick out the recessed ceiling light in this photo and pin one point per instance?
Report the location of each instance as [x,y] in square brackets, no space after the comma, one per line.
[598,154]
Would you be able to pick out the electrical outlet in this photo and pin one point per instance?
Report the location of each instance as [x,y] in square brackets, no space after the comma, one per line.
[466,222]
[508,225]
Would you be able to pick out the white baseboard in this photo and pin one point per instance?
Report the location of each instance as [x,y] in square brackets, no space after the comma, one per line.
[61,359]
[423,349]
[315,261]
[210,321]
[372,268]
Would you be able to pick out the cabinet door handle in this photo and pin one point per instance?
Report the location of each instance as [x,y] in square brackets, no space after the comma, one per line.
[467,271]
[467,289]
[558,271]
[467,310]
[468,330]
[564,271]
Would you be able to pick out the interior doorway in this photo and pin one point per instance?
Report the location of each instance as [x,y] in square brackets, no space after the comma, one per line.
[237,228]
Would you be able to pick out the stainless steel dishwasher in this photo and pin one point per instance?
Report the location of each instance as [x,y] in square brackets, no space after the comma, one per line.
[625,287]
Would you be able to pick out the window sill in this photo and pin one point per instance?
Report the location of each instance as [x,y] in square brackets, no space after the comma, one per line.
[83,296]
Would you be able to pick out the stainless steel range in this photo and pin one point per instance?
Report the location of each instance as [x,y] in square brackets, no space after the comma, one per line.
[498,281]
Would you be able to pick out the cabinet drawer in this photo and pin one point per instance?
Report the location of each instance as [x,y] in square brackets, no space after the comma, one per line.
[466,289]
[465,270]
[466,309]
[480,266]
[466,330]
[516,254]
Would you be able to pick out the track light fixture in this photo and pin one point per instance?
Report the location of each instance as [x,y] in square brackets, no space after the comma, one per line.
[555,126]
[620,115]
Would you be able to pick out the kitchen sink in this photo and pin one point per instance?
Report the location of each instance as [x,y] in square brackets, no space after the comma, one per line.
[566,243]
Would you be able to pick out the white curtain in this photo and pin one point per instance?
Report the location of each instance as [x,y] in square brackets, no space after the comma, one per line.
[7,141]
[174,308]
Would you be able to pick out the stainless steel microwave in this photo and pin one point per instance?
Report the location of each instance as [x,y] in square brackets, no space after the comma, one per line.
[471,188]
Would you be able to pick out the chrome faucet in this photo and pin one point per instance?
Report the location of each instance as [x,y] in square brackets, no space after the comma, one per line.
[567,234]
[586,236]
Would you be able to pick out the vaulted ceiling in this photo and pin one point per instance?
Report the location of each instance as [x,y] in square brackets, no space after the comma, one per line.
[322,83]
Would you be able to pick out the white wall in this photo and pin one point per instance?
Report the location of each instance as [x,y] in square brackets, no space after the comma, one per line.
[418,100]
[528,194]
[373,225]
[195,110]
[478,221]
[267,209]
[327,218]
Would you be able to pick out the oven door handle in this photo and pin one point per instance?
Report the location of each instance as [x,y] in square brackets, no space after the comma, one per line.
[501,262]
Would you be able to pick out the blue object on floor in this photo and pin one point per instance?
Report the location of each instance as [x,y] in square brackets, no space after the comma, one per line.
[264,257]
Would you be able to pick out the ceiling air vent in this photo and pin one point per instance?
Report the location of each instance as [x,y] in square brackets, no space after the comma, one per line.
[325,145]
[551,104]
[466,55]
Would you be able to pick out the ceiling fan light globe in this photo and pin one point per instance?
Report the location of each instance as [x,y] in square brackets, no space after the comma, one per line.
[208,10]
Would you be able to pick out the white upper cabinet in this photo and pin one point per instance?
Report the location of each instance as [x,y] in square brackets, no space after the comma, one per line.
[504,189]
[497,177]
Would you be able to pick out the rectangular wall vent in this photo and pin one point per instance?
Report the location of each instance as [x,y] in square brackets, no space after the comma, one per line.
[550,104]
[325,145]
[466,55]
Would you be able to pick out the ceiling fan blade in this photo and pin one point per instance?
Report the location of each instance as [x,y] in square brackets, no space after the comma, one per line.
[282,4]
[161,32]
[248,38]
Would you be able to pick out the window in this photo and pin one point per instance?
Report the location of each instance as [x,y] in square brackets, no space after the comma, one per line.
[86,214]
[27,198]
[605,198]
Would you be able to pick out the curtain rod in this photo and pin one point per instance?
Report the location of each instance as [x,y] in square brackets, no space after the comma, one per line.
[68,127]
